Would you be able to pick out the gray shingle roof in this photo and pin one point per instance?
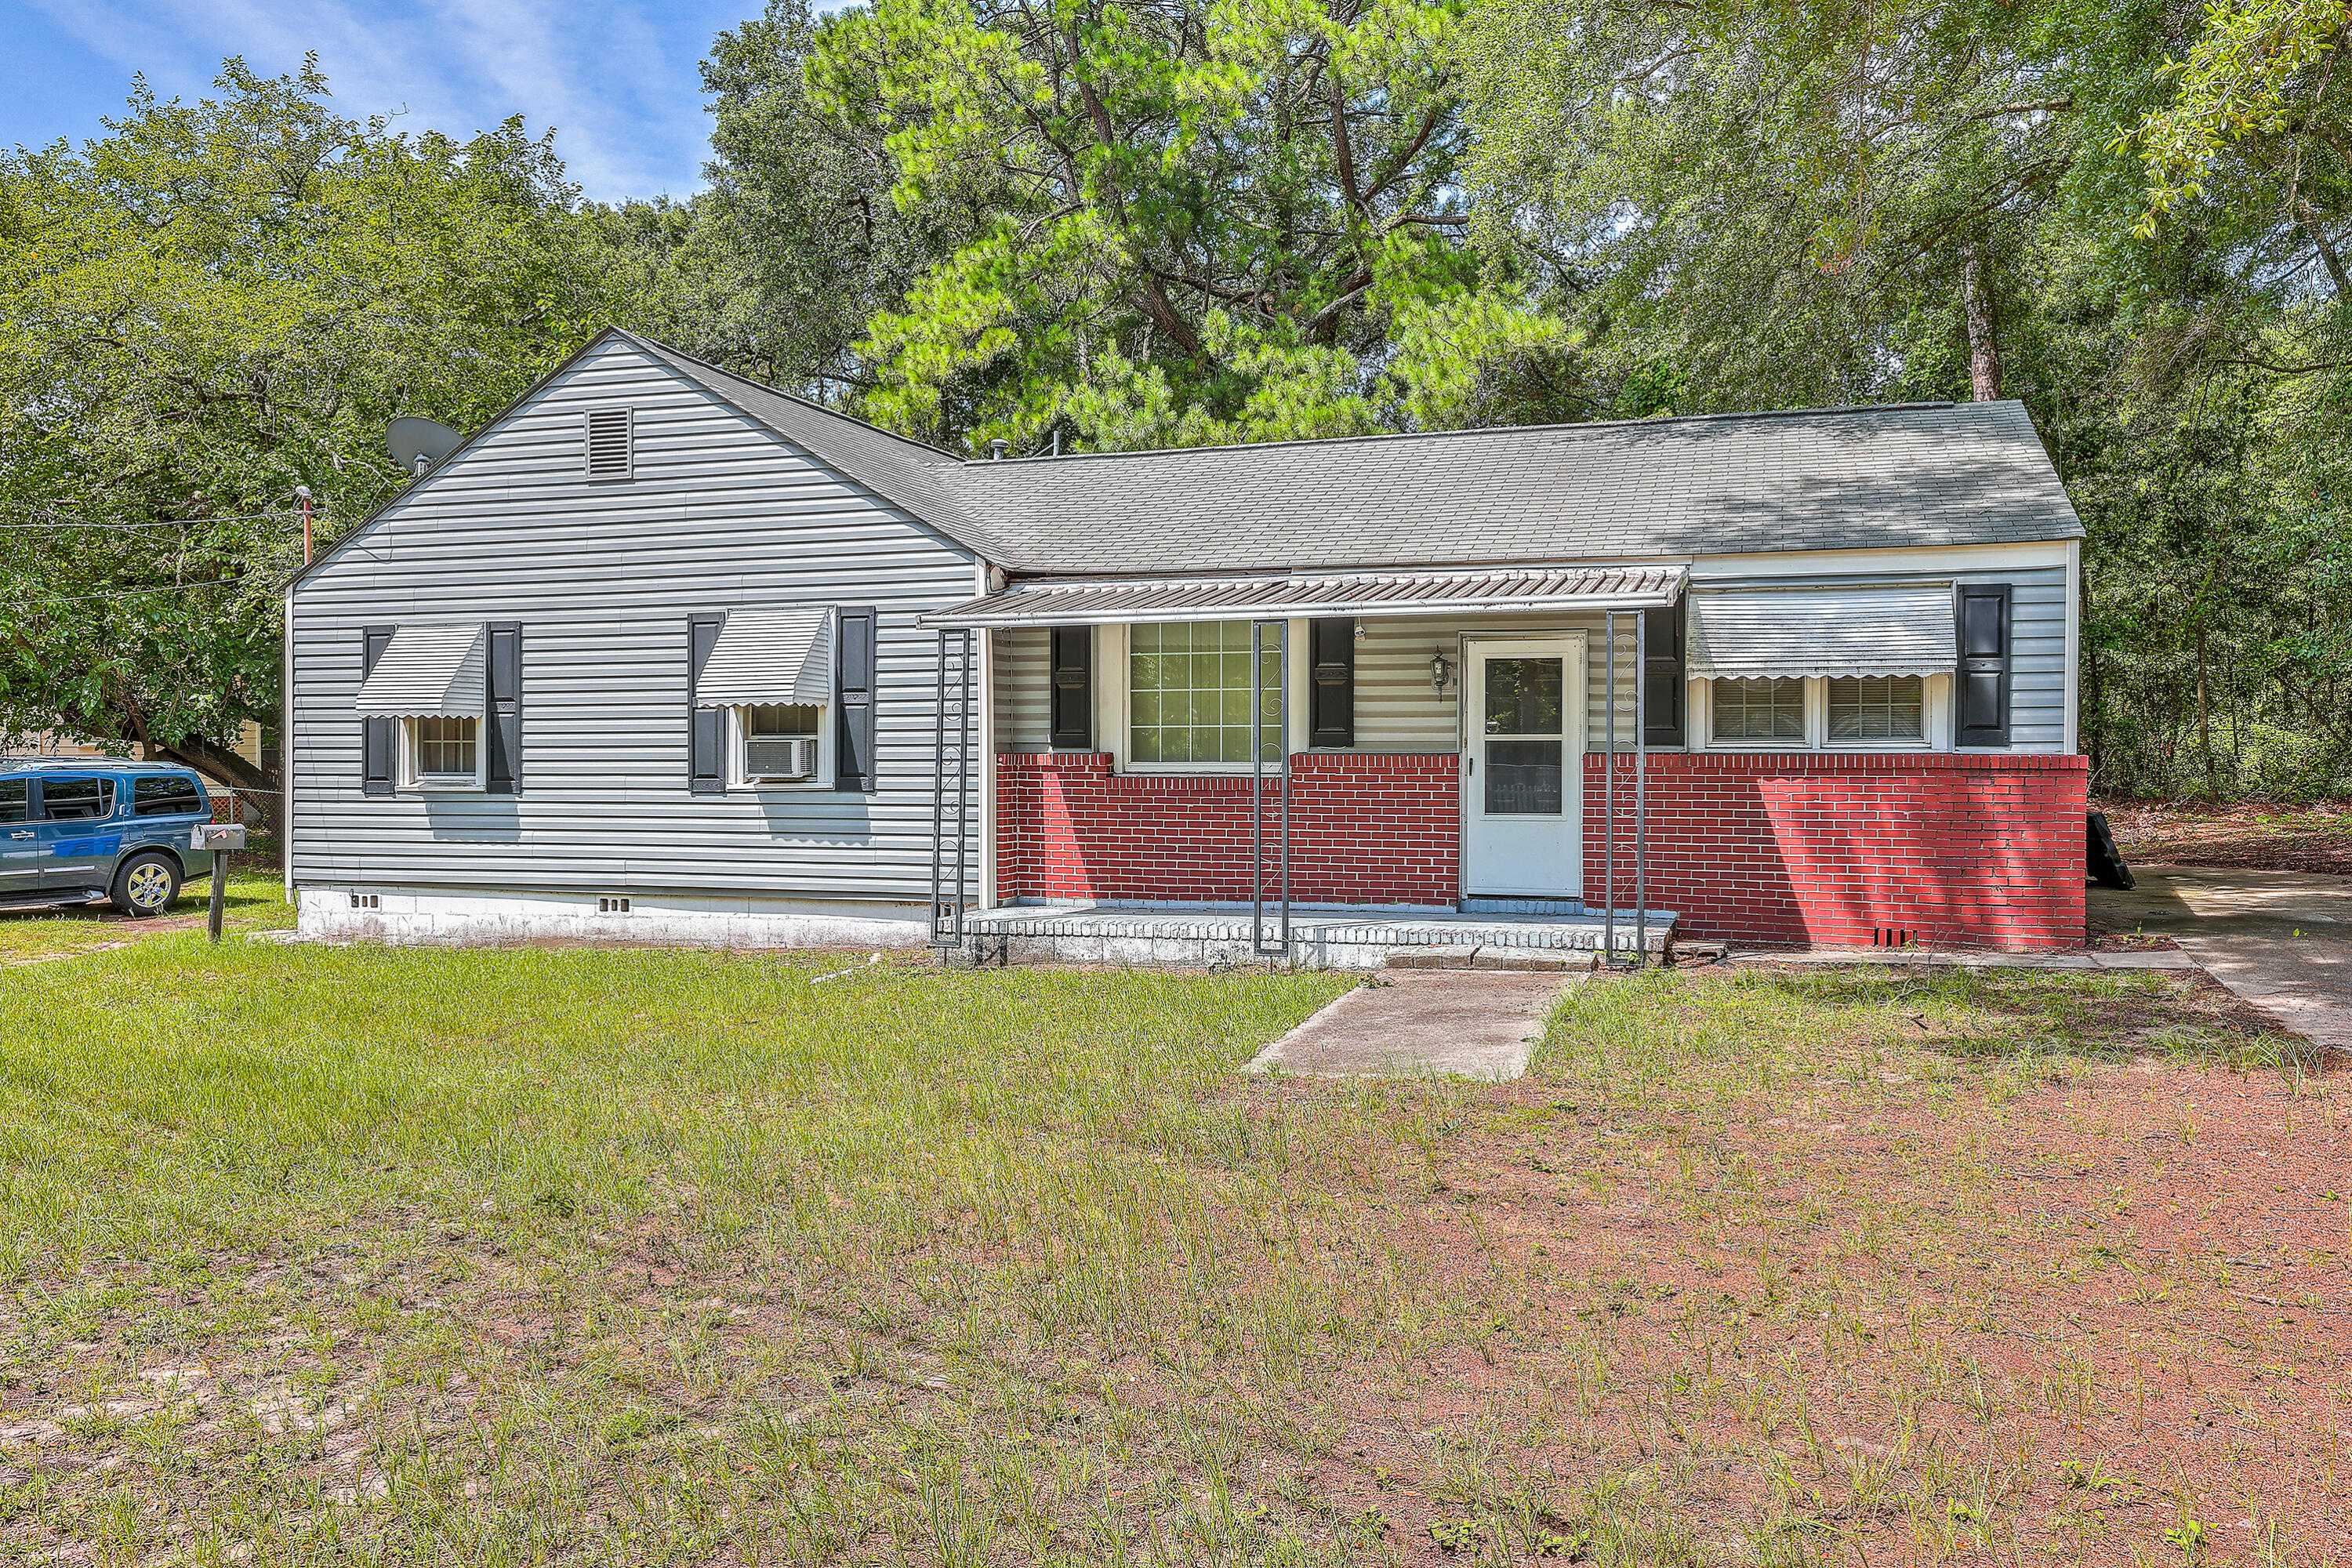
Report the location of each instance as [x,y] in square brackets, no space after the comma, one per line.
[1891,476]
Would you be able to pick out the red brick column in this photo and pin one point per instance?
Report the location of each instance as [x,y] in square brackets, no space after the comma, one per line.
[1969,850]
[1368,828]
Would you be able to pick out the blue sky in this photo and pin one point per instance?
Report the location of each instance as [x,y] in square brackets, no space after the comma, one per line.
[617,79]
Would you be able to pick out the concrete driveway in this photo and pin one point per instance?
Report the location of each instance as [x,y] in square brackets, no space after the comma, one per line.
[2281,940]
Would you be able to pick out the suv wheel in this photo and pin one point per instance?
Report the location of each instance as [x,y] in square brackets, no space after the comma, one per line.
[146,885]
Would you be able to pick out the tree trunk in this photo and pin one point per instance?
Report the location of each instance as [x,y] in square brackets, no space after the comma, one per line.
[2205,720]
[1984,355]
[226,766]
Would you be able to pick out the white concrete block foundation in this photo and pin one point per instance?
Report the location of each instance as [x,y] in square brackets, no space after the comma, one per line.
[459,917]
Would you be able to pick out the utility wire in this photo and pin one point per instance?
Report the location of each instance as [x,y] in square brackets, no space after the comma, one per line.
[175,523]
[137,593]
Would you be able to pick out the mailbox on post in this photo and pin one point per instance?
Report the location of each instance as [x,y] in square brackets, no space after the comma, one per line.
[220,837]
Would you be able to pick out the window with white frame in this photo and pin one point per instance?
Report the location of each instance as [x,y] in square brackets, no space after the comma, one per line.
[780,743]
[1766,709]
[444,751]
[1195,692]
[1877,708]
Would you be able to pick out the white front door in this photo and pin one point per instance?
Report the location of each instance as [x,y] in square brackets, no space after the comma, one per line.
[1523,776]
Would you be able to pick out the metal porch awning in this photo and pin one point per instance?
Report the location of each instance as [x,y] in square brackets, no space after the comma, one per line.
[1100,602]
[1785,632]
[426,672]
[769,655]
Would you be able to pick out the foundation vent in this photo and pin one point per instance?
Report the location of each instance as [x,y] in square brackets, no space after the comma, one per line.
[367,901]
[612,905]
[1887,936]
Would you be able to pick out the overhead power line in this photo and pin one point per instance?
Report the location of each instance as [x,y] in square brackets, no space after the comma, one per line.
[138,593]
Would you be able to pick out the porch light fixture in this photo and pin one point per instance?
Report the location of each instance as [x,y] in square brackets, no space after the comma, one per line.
[1441,670]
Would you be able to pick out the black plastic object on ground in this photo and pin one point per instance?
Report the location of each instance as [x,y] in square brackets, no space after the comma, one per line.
[2101,859]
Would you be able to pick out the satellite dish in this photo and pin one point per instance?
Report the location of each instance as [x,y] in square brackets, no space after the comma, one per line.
[417,444]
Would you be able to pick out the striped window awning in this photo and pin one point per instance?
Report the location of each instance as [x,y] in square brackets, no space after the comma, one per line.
[1749,634]
[770,657]
[1099,602]
[427,672]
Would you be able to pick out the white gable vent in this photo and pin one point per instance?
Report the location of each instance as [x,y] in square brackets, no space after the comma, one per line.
[611,442]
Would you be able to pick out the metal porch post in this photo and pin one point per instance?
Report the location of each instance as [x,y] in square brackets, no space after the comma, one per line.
[963,775]
[1640,788]
[1609,791]
[1258,781]
[938,780]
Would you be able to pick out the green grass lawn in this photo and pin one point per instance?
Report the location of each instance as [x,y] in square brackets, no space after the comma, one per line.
[375,1255]
[253,900]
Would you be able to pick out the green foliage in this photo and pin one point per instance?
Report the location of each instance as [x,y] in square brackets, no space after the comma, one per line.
[1236,220]
[1775,205]
[202,309]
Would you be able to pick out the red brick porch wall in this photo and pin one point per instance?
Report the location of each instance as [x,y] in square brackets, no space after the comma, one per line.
[1367,828]
[1983,850]
[1972,849]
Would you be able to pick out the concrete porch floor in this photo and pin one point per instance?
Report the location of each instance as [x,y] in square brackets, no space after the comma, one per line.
[1321,937]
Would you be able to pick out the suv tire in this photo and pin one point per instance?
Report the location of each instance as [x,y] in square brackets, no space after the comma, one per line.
[147,884]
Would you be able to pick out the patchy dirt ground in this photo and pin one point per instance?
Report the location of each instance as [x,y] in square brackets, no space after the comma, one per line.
[1754,1268]
[2267,838]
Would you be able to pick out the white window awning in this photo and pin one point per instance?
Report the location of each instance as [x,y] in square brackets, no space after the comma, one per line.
[1748,634]
[769,655]
[426,672]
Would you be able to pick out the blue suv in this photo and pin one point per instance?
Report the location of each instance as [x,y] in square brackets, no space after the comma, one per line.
[81,830]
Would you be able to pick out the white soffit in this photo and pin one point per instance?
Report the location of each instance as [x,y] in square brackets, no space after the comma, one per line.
[1358,594]
[1821,631]
[427,672]
[769,655]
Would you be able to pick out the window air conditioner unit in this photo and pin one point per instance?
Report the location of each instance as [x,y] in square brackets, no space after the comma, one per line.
[790,760]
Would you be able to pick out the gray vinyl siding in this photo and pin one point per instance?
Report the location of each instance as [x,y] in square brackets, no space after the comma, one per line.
[1397,710]
[720,516]
[2037,656]
[1024,709]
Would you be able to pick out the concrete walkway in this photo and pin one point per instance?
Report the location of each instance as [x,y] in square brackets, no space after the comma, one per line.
[2281,940]
[1412,1022]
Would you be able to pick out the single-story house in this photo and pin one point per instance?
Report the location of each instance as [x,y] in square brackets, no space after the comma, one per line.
[662,653]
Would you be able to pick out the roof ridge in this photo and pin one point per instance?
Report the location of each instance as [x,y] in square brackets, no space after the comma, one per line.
[1571,425]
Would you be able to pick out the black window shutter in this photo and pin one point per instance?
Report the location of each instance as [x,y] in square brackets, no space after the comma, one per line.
[706,743]
[503,711]
[1331,703]
[1662,673]
[1982,701]
[379,738]
[1073,655]
[853,682]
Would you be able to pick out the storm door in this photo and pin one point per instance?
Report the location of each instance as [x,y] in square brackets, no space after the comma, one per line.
[1522,768]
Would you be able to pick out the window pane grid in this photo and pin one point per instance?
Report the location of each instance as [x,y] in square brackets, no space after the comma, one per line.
[1876,708]
[1190,691]
[1765,710]
[444,747]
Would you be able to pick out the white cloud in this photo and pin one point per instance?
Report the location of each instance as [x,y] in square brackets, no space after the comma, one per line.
[616,77]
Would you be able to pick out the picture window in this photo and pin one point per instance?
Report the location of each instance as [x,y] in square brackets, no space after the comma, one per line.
[1192,694]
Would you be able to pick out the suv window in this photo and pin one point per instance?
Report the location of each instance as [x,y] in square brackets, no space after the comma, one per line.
[166,796]
[12,800]
[76,800]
